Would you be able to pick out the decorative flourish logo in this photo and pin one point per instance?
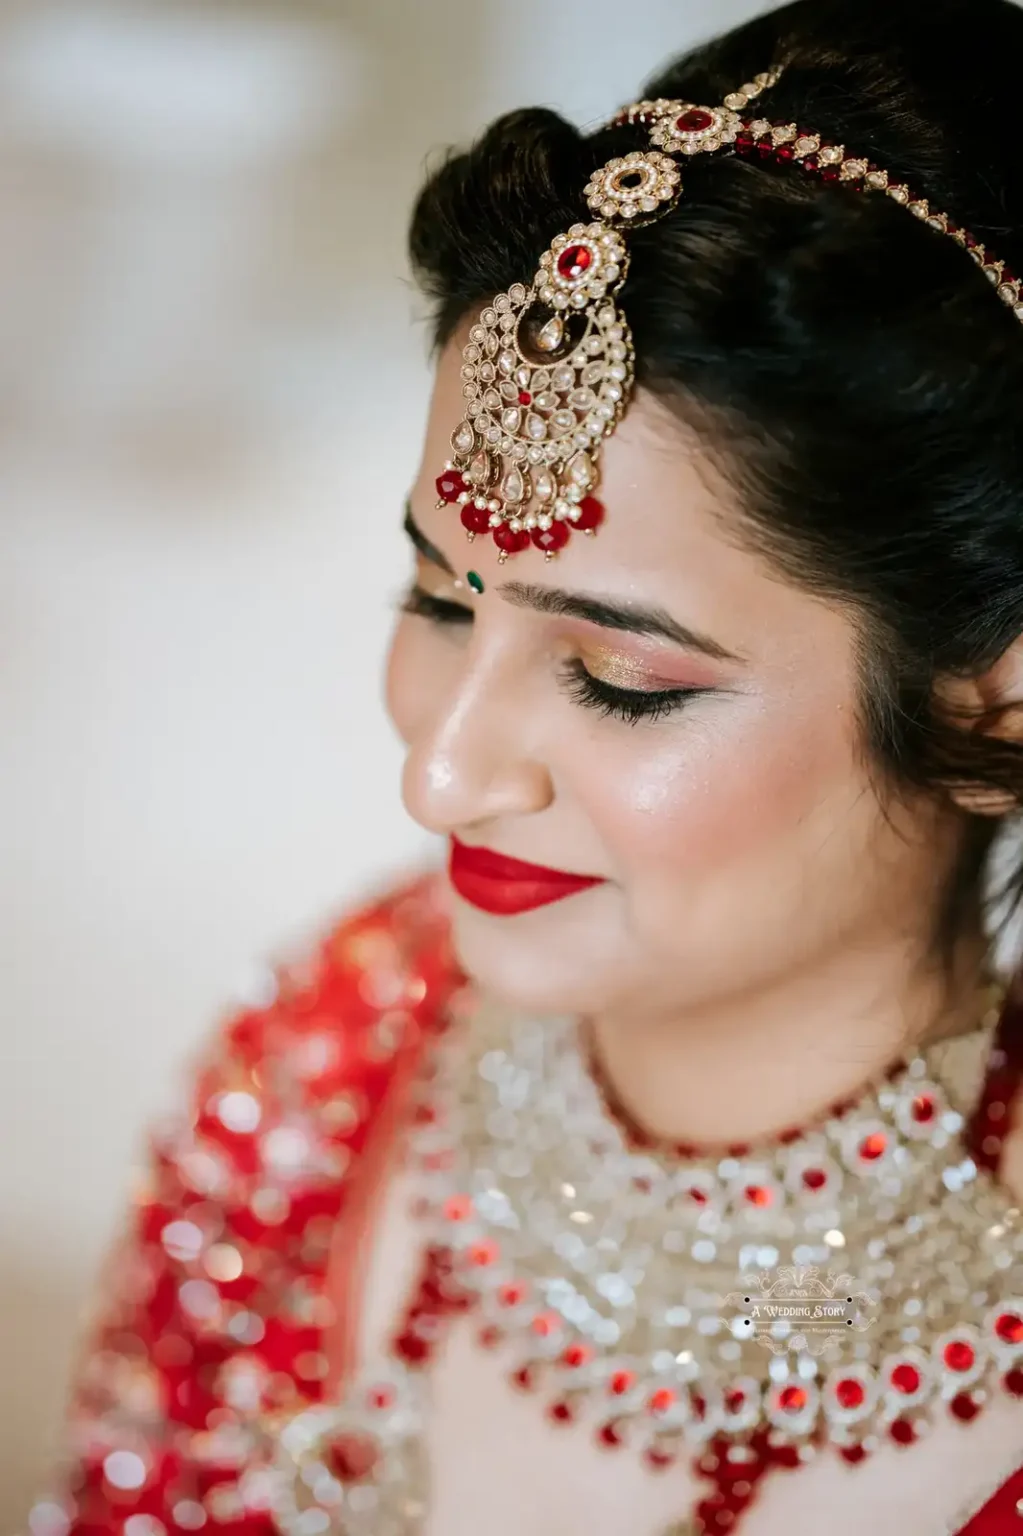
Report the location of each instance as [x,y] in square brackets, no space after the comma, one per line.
[793,1309]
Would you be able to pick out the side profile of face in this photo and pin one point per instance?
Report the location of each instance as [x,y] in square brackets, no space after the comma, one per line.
[706,766]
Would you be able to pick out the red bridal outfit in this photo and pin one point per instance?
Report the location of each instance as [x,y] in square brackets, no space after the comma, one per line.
[203,1402]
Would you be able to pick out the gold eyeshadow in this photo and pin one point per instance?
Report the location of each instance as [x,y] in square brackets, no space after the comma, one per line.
[618,671]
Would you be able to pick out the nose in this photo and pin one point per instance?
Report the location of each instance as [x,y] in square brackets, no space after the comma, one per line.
[479,756]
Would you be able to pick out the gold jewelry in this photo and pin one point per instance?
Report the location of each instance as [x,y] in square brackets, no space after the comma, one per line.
[548,370]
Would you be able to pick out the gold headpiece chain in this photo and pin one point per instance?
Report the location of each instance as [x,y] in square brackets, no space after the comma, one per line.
[548,370]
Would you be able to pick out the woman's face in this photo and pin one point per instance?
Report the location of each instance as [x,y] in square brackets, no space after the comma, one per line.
[657,709]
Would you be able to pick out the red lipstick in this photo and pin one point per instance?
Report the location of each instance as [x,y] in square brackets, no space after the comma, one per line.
[506,886]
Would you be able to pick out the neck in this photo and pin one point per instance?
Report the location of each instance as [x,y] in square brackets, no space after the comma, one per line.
[752,1064]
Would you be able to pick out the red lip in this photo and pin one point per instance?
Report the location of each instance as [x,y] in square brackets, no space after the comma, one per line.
[505,886]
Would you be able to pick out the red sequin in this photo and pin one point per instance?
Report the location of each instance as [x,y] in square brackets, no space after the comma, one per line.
[905,1378]
[850,1392]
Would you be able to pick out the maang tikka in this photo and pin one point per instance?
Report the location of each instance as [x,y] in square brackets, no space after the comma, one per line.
[548,370]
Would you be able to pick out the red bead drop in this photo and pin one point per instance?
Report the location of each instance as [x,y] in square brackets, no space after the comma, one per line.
[551,539]
[745,142]
[591,513]
[475,519]
[792,1399]
[814,1178]
[561,1413]
[574,261]
[576,1355]
[924,1108]
[963,1407]
[850,1392]
[853,1453]
[450,485]
[524,1379]
[622,1382]
[545,1324]
[959,1356]
[872,1147]
[1012,1381]
[658,1458]
[610,1435]
[905,1378]
[1009,1328]
[662,1400]
[696,120]
[758,1194]
[512,1294]
[902,1432]
[511,540]
[735,1400]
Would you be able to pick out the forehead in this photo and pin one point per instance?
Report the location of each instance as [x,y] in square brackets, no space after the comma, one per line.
[673,535]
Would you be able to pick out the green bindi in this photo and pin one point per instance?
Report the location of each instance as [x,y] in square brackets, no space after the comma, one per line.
[475,581]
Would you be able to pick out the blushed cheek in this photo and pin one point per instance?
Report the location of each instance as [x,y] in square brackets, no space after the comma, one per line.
[712,801]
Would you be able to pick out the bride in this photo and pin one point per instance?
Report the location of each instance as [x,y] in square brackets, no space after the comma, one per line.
[656,1166]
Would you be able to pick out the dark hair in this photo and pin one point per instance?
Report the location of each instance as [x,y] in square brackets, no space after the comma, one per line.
[854,374]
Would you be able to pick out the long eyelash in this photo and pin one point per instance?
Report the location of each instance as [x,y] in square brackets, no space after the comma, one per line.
[630,705]
[425,606]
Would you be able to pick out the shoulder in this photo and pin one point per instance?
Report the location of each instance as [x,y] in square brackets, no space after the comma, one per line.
[334,1018]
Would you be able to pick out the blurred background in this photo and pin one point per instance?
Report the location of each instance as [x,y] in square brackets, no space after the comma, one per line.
[213,375]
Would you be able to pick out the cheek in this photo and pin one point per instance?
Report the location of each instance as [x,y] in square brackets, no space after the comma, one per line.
[724,790]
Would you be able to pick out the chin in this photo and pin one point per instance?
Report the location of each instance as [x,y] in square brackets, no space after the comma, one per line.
[539,962]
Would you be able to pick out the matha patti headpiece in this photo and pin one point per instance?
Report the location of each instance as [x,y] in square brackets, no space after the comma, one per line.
[548,369]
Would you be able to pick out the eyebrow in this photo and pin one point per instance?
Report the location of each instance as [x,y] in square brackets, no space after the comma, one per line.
[634,619]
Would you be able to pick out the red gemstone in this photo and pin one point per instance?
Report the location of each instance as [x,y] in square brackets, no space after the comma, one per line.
[784,153]
[576,1355]
[811,164]
[853,1453]
[450,485]
[482,1255]
[662,1400]
[905,1378]
[765,148]
[574,261]
[696,120]
[814,1178]
[872,1147]
[698,1195]
[902,1432]
[792,1399]
[476,519]
[382,1398]
[511,540]
[758,1194]
[591,513]
[831,173]
[524,1378]
[562,1413]
[1012,1381]
[924,1108]
[545,1324]
[744,143]
[964,1407]
[525,398]
[411,1348]
[959,1356]
[610,1435]
[551,539]
[1009,1328]
[971,242]
[657,1457]
[850,1392]
[622,1382]
[352,1458]
[735,1400]
[489,1338]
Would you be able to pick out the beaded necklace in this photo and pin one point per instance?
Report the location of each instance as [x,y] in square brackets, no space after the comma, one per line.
[832,1287]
